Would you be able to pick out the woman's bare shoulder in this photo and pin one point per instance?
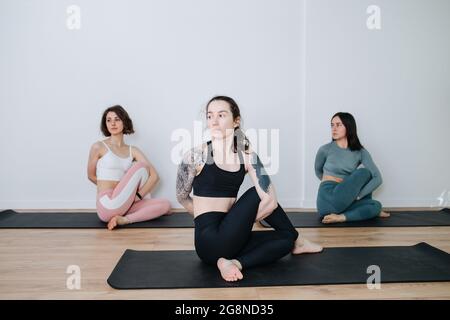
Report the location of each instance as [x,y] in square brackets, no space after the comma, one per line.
[98,146]
[97,150]
[196,154]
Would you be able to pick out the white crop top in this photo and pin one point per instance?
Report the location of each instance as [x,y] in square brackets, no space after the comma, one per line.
[111,166]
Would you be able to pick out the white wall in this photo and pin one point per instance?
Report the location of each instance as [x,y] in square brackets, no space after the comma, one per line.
[395,81]
[288,68]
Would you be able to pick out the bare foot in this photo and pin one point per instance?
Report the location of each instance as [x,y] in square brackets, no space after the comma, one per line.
[228,270]
[303,245]
[117,221]
[384,214]
[333,218]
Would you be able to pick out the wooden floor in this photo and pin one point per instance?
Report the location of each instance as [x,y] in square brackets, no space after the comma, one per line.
[33,263]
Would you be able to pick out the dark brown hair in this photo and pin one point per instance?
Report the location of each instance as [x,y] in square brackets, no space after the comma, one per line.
[123,115]
[238,133]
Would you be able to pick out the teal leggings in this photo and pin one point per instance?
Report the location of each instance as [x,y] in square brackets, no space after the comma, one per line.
[334,197]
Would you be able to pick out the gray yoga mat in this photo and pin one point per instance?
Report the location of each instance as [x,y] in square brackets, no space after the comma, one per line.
[183,269]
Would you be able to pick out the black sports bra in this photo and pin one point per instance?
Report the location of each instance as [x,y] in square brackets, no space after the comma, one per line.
[216,182]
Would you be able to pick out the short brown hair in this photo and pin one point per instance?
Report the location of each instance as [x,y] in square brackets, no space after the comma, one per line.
[123,115]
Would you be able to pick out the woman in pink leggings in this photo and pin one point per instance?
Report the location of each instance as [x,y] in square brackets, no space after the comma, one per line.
[121,183]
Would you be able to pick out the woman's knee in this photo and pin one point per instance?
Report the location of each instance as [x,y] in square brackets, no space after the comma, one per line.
[377,207]
[372,210]
[363,172]
[166,205]
[138,165]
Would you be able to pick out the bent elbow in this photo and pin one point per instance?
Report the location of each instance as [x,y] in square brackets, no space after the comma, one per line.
[270,203]
[380,181]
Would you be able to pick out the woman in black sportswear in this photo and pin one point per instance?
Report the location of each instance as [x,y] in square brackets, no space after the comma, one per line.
[223,226]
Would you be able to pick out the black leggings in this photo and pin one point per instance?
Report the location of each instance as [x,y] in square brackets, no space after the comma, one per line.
[229,235]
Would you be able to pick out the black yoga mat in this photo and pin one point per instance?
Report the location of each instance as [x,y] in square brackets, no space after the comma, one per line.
[397,219]
[183,269]
[35,220]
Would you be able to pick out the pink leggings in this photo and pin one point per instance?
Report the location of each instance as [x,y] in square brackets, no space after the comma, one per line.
[120,201]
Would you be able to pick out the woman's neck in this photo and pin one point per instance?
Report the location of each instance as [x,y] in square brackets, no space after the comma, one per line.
[117,140]
[342,143]
[223,150]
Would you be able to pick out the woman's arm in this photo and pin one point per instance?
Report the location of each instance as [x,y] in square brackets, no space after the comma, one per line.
[321,157]
[94,155]
[187,170]
[263,185]
[153,178]
[375,182]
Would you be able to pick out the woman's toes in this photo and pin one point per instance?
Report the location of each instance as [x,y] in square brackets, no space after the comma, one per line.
[384,214]
[326,219]
[112,223]
[333,218]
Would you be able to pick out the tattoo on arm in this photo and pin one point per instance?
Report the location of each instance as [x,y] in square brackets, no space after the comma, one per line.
[263,178]
[184,181]
[186,173]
